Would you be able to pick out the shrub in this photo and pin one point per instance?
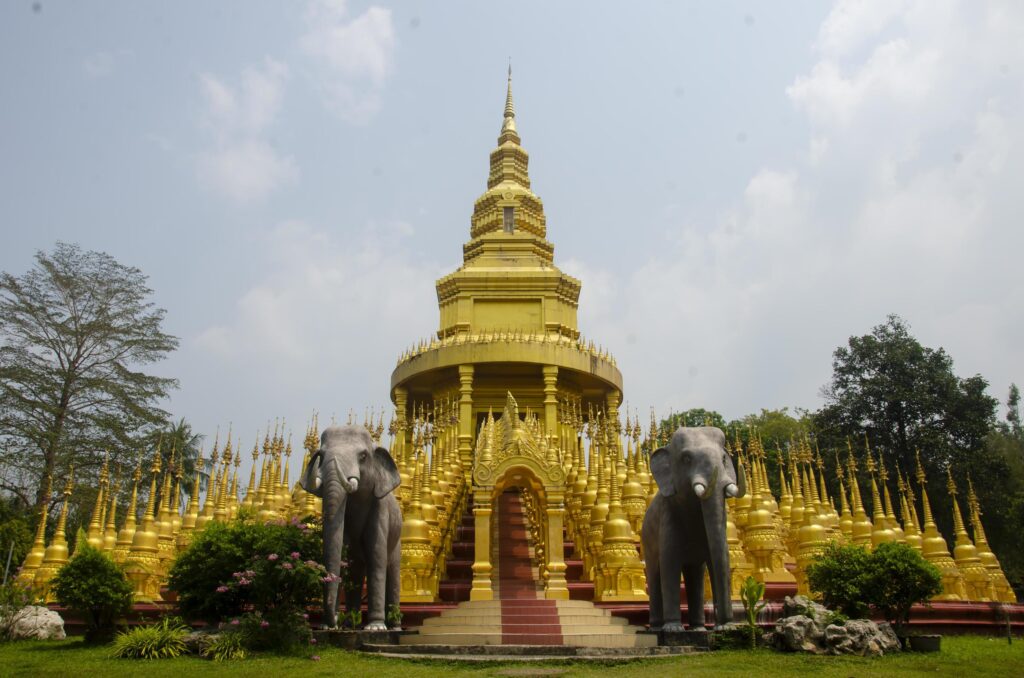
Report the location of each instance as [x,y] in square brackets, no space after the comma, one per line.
[900,578]
[225,646]
[13,599]
[223,549]
[840,575]
[163,640]
[280,629]
[890,579]
[94,586]
[277,587]
[751,593]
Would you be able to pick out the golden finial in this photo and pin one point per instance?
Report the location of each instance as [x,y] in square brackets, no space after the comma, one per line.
[950,485]
[509,123]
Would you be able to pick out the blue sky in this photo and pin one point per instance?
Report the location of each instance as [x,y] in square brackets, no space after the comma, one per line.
[740,186]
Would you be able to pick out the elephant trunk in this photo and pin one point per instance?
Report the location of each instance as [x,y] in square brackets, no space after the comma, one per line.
[718,556]
[335,500]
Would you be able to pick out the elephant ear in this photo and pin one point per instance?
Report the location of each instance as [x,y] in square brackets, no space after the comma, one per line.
[389,478]
[661,468]
[310,480]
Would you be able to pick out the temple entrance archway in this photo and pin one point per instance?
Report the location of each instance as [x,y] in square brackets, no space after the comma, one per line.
[515,454]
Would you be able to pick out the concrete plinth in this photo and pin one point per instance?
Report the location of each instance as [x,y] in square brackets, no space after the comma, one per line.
[348,639]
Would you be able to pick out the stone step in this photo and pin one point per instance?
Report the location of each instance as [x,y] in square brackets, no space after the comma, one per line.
[566,618]
[509,604]
[545,628]
[524,653]
[606,640]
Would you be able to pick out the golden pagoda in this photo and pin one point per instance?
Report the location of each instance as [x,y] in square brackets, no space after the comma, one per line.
[508,326]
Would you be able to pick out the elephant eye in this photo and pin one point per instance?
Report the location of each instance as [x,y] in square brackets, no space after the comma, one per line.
[362,456]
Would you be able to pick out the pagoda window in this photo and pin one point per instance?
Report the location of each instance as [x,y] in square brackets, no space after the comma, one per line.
[509,219]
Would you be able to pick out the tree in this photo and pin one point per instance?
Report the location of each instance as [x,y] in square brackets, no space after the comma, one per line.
[74,332]
[185,443]
[697,416]
[1013,411]
[906,397]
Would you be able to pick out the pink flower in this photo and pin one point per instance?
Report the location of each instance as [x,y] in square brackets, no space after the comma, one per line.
[315,657]
[287,566]
[264,624]
[305,616]
[296,555]
[222,589]
[312,641]
[272,556]
[234,622]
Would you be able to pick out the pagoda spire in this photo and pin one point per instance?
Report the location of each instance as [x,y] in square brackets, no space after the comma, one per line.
[508,125]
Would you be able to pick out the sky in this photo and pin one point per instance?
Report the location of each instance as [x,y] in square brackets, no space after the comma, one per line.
[740,186]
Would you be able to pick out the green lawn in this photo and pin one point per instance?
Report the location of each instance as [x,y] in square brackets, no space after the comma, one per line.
[960,656]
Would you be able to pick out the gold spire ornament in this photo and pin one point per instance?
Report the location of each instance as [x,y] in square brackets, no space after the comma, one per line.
[56,554]
[934,549]
[27,574]
[977,580]
[1002,591]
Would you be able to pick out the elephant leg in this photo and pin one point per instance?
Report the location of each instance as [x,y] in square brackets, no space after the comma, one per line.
[657,611]
[693,576]
[376,578]
[393,584]
[671,567]
[330,616]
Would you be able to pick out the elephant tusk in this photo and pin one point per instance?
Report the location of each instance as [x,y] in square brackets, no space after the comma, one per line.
[731,490]
[699,489]
[353,485]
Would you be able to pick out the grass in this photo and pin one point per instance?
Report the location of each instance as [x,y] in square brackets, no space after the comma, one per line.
[960,656]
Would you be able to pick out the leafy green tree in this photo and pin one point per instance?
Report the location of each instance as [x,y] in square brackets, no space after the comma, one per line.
[900,578]
[75,332]
[697,416]
[906,397]
[186,445]
[1013,411]
[840,575]
[93,585]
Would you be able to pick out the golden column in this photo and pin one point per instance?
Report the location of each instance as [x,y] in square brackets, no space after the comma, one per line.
[466,420]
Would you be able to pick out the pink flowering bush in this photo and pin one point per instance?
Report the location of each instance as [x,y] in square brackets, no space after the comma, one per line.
[226,571]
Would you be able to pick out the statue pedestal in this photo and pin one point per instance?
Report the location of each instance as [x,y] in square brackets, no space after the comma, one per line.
[348,639]
[698,638]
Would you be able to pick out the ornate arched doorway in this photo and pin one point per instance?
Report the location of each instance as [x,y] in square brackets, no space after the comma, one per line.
[514,453]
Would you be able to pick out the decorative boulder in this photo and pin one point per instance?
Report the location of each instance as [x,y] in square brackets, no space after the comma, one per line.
[799,633]
[37,623]
[861,637]
[802,605]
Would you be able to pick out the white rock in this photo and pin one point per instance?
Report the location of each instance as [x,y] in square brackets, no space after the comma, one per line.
[37,623]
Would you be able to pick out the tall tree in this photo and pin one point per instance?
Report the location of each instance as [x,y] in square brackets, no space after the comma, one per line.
[906,397]
[1013,411]
[74,332]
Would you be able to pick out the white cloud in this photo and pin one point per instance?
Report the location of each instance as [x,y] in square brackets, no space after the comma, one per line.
[354,56]
[906,202]
[243,165]
[326,303]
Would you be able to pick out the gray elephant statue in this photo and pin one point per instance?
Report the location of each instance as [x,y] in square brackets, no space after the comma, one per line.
[356,480]
[684,528]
